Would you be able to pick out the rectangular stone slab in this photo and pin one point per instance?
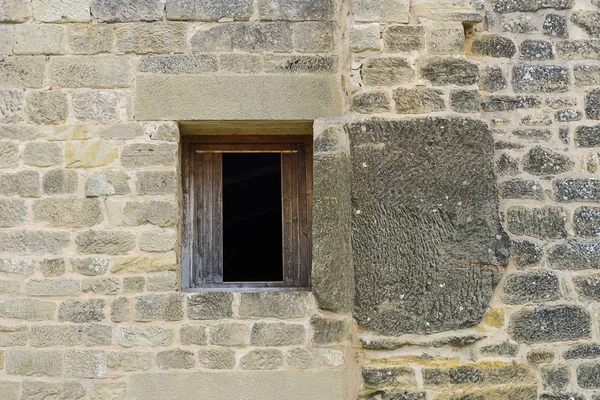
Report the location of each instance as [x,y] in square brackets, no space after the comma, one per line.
[250,385]
[234,97]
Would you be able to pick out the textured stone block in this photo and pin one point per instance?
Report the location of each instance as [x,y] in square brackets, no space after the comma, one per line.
[540,79]
[262,359]
[328,331]
[492,79]
[33,242]
[588,288]
[89,153]
[159,37]
[34,362]
[273,305]
[61,10]
[536,50]
[59,181]
[531,287]
[14,10]
[130,361]
[90,38]
[588,376]
[40,39]
[209,10]
[211,305]
[178,359]
[106,242]
[101,286]
[418,100]
[52,267]
[292,10]
[85,364]
[108,391]
[178,64]
[384,11]
[13,335]
[144,336]
[13,212]
[81,311]
[161,213]
[152,183]
[578,50]
[520,189]
[27,309]
[582,350]
[16,266]
[120,308]
[47,107]
[465,101]
[240,63]
[108,182]
[247,36]
[143,264]
[74,213]
[300,64]
[52,287]
[165,282]
[42,154]
[193,335]
[403,38]
[11,106]
[573,189]
[90,72]
[137,155]
[449,71]
[546,223]
[387,71]
[313,37]
[550,324]
[542,161]
[158,241]
[446,39]
[586,221]
[507,6]
[99,106]
[127,10]
[9,155]
[67,390]
[277,334]
[371,102]
[365,37]
[493,46]
[230,334]
[555,26]
[217,358]
[22,72]
[10,390]
[159,307]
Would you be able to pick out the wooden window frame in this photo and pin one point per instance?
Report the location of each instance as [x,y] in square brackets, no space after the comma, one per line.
[202,232]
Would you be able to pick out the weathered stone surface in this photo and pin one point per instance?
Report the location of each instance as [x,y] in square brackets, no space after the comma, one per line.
[27,309]
[15,266]
[144,336]
[108,391]
[13,336]
[520,189]
[446,39]
[277,334]
[7,33]
[262,359]
[127,10]
[90,38]
[73,213]
[40,39]
[165,282]
[52,287]
[144,264]
[81,311]
[508,103]
[90,72]
[540,79]
[69,132]
[588,376]
[177,358]
[542,161]
[371,102]
[217,358]
[502,349]
[273,305]
[313,37]
[518,23]
[586,221]
[546,223]
[555,26]
[387,71]
[70,335]
[592,102]
[22,72]
[105,242]
[67,390]
[525,253]
[61,10]
[449,71]
[11,106]
[588,287]
[587,20]
[123,131]
[531,287]
[555,377]
[14,11]
[299,64]
[493,46]
[507,6]
[34,362]
[583,350]
[428,200]
[101,106]
[550,324]
[230,334]
[13,212]
[376,375]
[158,241]
[575,255]
[59,181]
[147,154]
[418,100]
[120,308]
[573,189]
[10,287]
[536,50]
[250,36]
[540,356]
[240,63]
[384,11]
[134,284]
[578,49]
[328,331]
[211,10]
[586,75]
[47,107]
[161,213]
[42,154]
[10,390]
[568,115]
[402,38]
[85,364]
[33,242]
[90,266]
[291,10]
[108,182]
[465,101]
[151,183]
[101,286]
[193,335]
[89,153]
[178,64]
[130,361]
[299,358]
[159,307]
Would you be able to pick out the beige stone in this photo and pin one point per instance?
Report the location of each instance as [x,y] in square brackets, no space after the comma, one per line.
[27,72]
[380,10]
[143,264]
[72,213]
[43,154]
[7,33]
[89,153]
[159,37]
[61,10]
[90,38]
[90,71]
[14,10]
[70,132]
[40,39]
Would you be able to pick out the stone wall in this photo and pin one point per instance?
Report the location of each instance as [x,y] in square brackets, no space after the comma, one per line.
[91,94]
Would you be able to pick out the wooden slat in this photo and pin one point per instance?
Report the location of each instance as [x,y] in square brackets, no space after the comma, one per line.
[295,231]
[287,213]
[187,222]
[304,193]
[198,232]
[217,218]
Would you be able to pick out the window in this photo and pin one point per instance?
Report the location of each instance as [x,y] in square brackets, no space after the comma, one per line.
[247,211]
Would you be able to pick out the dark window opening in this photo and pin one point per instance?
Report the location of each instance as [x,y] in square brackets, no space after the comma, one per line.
[252,238]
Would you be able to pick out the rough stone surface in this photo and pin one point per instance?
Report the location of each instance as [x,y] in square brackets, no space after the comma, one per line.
[159,213]
[262,359]
[59,181]
[68,213]
[127,10]
[250,36]
[550,324]
[211,10]
[384,11]
[81,311]
[493,46]
[158,307]
[230,334]
[542,161]
[418,100]
[536,50]
[371,102]
[34,362]
[90,38]
[109,182]
[507,6]
[217,358]
[85,364]
[193,335]
[448,71]
[387,71]
[40,39]
[399,38]
[22,72]
[273,305]
[180,359]
[105,242]
[13,212]
[540,79]
[544,223]
[90,72]
[102,106]
[47,107]
[555,26]
[277,334]
[531,287]
[210,305]
[144,336]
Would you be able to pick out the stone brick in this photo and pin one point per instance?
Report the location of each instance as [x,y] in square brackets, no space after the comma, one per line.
[210,305]
[507,165]
[262,359]
[328,331]
[52,287]
[449,71]
[587,287]
[588,376]
[384,11]
[493,46]
[209,10]
[69,132]
[127,10]
[108,182]
[33,242]
[159,307]
[193,335]
[27,309]
[542,161]
[251,36]
[11,106]
[573,189]
[446,39]
[365,37]
[555,377]
[26,72]
[13,212]
[89,153]
[536,50]
[520,189]
[105,242]
[550,324]
[161,213]
[313,37]
[47,107]
[290,10]
[42,154]
[90,71]
[371,102]
[134,284]
[418,100]
[582,350]
[143,264]
[299,358]
[299,63]
[402,38]
[108,391]
[531,287]
[277,334]
[375,375]
[588,21]
[90,266]
[540,79]
[164,282]
[104,286]
[59,181]
[85,364]
[81,311]
[179,359]
[61,10]
[217,358]
[387,71]
[518,23]
[540,356]
[13,335]
[72,213]
[40,39]
[14,11]
[70,335]
[137,155]
[144,336]
[578,50]
[586,221]
[130,361]
[502,349]
[10,287]
[230,334]
[10,390]
[178,64]
[575,255]
[159,37]
[34,362]
[525,253]
[15,266]
[507,6]
[238,63]
[592,102]
[568,115]
[52,267]
[272,305]
[586,75]
[66,390]
[90,38]
[158,241]
[544,223]
[465,101]
[7,33]
[102,106]
[508,103]
[152,183]
[120,309]
[555,25]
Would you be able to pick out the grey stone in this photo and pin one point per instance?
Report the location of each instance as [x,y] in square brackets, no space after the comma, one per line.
[518,23]
[568,115]
[11,106]
[540,79]
[587,287]
[574,255]
[193,335]
[152,183]
[90,38]
[105,242]
[508,103]
[158,241]
[43,154]
[507,6]
[588,376]
[121,131]
[555,377]
[13,335]
[492,79]
[586,221]
[291,10]
[161,213]
[130,361]
[525,253]
[14,266]
[277,334]
[165,282]
[446,39]
[402,38]
[429,201]
[328,331]
[159,307]
[90,71]
[371,102]
[262,359]
[127,10]
[10,287]
[380,376]
[27,309]
[47,107]
[520,189]
[177,358]
[22,72]
[502,349]
[418,100]
[13,212]
[587,20]
[536,50]
[66,390]
[531,287]
[555,26]
[90,266]
[71,213]
[208,10]
[97,335]
[230,334]
[134,284]
[107,183]
[542,161]
[34,362]
[387,71]
[97,105]
[299,63]
[582,350]
[210,305]
[137,155]
[56,335]
[105,286]
[384,11]
[313,37]
[465,101]
[563,134]
[299,358]
[144,336]
[85,364]
[273,305]
[449,71]
[578,50]
[550,324]
[120,309]
[244,36]
[366,37]
[573,189]
[178,64]
[217,358]
[52,287]
[493,46]
[81,311]
[52,267]
[586,75]
[59,181]
[33,242]
[545,223]
[240,63]
[7,33]
[592,102]
[540,356]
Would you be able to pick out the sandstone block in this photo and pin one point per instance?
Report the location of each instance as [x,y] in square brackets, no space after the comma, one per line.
[313,37]
[277,334]
[9,287]
[161,213]
[403,38]
[90,71]
[418,100]
[299,358]
[13,212]
[446,39]
[179,64]
[100,106]
[493,46]
[15,266]
[109,391]
[69,335]
[34,362]
[178,359]
[69,132]
[210,305]
[40,39]
[328,331]
[147,154]
[384,11]
[134,284]
[61,10]
[152,183]
[52,287]
[25,72]
[13,335]
[158,241]
[130,361]
[159,37]
[10,390]
[371,102]
[11,106]
[317,10]
[52,267]
[209,10]
[124,131]
[68,390]
[14,10]
[143,264]
[33,242]
[147,336]
[159,307]
[193,335]
[164,282]
[73,213]
[81,311]
[47,107]
[89,153]
[127,10]
[299,64]
[85,364]
[387,71]
[250,36]
[42,154]
[365,37]
[27,309]
[240,63]
[9,155]
[106,242]
[230,334]
[108,182]
[90,38]
[120,309]
[550,324]
[59,181]
[266,359]
[105,286]
[217,358]
[273,305]
[449,71]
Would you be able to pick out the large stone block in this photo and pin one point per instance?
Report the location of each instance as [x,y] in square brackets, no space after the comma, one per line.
[102,106]
[210,305]
[262,359]
[10,390]
[273,305]
[177,358]
[85,364]
[383,11]
[178,64]
[89,153]
[107,183]
[250,97]
[277,334]
[209,10]
[40,39]
[14,10]
[244,36]
[13,212]
[159,307]
[81,311]
[230,334]
[449,71]
[11,106]
[531,287]
[403,284]
[314,37]
[27,309]
[43,154]
[294,10]
[540,79]
[72,213]
[144,336]
[52,287]
[217,358]
[47,107]
[66,390]
[34,362]
[159,37]
[387,71]
[61,10]
[90,38]
[550,324]
[13,335]
[153,183]
[130,361]
[127,10]
[105,242]
[90,72]
[59,181]
[33,242]
[137,155]
[545,223]
[19,72]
